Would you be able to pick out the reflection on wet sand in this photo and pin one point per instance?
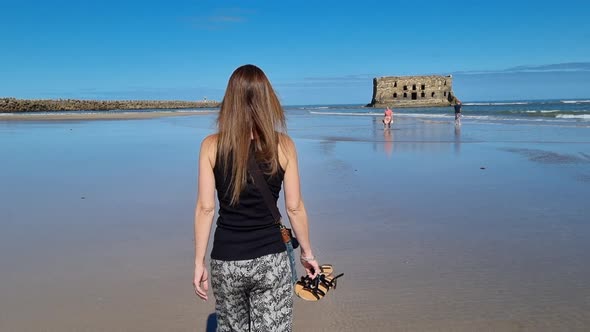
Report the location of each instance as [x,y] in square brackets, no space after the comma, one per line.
[388,137]
[413,136]
[457,144]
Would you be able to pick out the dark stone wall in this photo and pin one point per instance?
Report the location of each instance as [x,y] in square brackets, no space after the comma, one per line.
[412,91]
[8,105]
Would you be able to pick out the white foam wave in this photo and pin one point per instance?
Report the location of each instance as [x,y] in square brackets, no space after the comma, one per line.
[575,101]
[497,104]
[542,111]
[480,117]
[314,108]
[347,113]
[422,115]
[574,116]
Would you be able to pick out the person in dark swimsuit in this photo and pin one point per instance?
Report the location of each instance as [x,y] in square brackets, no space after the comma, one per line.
[458,110]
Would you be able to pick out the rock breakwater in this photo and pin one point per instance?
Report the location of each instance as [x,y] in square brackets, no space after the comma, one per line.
[13,105]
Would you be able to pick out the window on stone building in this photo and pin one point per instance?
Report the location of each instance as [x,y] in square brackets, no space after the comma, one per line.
[423,87]
[445,82]
[414,87]
[445,94]
[395,95]
[414,95]
[405,87]
[405,95]
[422,95]
[432,95]
[395,84]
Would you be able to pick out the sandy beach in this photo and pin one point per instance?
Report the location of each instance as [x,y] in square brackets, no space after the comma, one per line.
[98,115]
[436,228]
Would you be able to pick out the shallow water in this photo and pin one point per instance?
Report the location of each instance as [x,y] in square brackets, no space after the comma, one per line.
[436,227]
[531,112]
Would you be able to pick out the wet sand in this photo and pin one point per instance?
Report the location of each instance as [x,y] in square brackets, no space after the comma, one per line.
[436,228]
[98,115]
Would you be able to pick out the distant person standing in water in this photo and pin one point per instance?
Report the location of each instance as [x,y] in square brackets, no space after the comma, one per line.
[388,118]
[457,106]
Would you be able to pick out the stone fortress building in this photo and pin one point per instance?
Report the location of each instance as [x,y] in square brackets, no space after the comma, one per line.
[412,91]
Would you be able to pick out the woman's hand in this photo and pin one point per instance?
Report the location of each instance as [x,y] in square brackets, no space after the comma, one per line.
[311,266]
[200,281]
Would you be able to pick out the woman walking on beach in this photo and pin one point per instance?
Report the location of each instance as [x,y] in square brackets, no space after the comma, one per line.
[250,271]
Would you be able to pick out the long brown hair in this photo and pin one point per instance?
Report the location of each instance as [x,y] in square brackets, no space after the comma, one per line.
[250,108]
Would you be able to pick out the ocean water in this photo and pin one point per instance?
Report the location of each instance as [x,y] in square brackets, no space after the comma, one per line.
[540,112]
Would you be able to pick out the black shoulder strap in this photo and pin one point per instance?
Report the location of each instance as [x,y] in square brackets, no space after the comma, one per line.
[262,186]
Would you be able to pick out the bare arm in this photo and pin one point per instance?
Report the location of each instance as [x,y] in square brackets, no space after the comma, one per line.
[295,206]
[204,213]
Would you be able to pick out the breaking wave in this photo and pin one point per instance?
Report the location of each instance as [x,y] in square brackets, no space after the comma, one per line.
[575,101]
[574,116]
[497,104]
[348,113]
[314,108]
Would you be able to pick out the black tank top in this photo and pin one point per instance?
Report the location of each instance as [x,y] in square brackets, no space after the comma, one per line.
[246,230]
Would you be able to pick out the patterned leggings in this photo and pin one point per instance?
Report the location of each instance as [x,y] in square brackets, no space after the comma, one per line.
[254,294]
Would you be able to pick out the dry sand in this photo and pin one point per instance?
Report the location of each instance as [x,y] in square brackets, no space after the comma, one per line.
[106,115]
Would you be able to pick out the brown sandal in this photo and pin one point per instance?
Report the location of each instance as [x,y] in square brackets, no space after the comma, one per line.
[327,269]
[328,282]
[308,289]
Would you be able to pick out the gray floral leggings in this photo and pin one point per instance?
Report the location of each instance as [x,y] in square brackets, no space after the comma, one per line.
[254,294]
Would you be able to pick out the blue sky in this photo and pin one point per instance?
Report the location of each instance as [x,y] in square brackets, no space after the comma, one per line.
[316,52]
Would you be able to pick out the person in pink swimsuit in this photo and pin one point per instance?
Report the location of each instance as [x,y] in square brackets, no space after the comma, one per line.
[388,118]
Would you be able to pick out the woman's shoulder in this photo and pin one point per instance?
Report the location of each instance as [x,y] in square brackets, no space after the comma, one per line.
[209,142]
[286,144]
[209,147]
[287,151]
